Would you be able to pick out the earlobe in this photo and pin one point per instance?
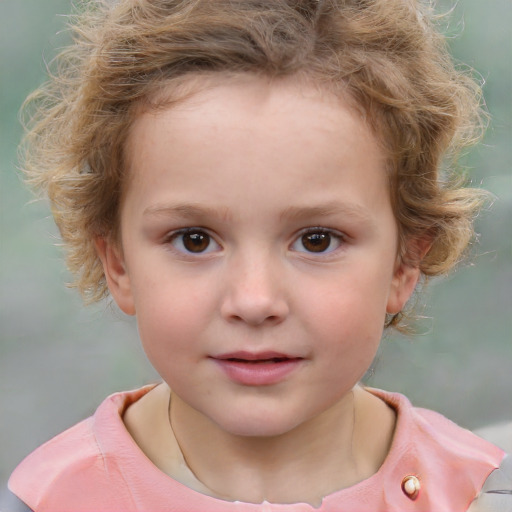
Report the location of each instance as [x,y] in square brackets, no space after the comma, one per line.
[118,279]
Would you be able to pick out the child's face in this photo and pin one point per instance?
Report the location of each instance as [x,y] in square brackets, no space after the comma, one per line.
[259,251]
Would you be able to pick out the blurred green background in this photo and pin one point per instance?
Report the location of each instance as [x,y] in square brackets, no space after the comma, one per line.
[58,360]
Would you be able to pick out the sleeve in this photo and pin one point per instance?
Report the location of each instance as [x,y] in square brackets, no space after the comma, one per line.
[496,493]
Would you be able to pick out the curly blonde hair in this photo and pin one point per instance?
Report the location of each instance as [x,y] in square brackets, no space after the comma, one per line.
[386,55]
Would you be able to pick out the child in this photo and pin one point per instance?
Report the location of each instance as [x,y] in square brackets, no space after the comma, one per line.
[259,183]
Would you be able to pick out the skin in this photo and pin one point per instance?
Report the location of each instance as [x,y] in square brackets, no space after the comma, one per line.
[256,171]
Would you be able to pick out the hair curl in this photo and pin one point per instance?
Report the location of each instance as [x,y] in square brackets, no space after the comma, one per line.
[386,55]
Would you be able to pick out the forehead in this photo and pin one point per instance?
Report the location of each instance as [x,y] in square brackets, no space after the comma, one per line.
[249,103]
[228,133]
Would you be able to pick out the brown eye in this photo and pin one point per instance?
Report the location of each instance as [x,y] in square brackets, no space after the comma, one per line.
[193,241]
[316,242]
[196,242]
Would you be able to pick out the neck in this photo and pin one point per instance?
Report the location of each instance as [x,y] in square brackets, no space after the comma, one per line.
[305,464]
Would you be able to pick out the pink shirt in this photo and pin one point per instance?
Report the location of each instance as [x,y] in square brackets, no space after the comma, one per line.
[96,466]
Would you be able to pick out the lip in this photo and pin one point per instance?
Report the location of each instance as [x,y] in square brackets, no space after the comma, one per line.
[257,368]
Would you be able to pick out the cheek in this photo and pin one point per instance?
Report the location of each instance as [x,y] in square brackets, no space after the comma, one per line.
[168,324]
[173,314]
[348,304]
[349,315]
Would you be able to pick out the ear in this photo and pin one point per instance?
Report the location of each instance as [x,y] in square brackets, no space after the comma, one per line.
[407,274]
[402,286]
[118,279]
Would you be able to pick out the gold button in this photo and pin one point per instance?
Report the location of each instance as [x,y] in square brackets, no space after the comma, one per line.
[411,486]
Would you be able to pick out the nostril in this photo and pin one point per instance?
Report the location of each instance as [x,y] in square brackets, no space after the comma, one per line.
[256,320]
[253,313]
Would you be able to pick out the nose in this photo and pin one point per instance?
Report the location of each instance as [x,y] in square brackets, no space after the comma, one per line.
[255,292]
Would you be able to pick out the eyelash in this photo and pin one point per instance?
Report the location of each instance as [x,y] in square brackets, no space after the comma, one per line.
[177,237]
[329,235]
[199,235]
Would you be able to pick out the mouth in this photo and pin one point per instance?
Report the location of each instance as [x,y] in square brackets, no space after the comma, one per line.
[257,369]
[260,361]
[256,357]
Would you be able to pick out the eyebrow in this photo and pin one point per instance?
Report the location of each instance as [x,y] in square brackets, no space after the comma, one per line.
[325,210]
[291,213]
[186,210]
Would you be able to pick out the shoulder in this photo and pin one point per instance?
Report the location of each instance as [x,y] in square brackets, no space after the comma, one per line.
[426,431]
[451,463]
[73,452]
[82,458]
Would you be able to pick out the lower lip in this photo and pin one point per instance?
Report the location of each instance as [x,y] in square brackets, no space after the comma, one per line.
[258,373]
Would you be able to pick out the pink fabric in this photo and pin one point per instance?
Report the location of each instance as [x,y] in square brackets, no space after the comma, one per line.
[96,466]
